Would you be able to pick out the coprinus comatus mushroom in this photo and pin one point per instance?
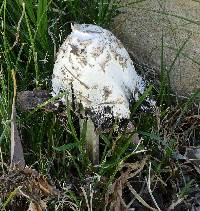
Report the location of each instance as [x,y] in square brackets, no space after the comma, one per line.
[93,65]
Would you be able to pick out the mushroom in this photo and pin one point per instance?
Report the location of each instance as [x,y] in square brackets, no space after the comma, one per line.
[93,65]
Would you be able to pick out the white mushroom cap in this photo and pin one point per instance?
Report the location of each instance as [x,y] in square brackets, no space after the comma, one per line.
[99,68]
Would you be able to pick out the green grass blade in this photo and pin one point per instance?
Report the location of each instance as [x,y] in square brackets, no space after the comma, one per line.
[179,52]
[195,97]
[146,93]
[42,21]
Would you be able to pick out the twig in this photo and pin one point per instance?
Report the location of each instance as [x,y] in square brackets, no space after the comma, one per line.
[149,188]
[2,162]
[91,196]
[82,83]
[86,199]
[139,198]
[174,204]
[132,201]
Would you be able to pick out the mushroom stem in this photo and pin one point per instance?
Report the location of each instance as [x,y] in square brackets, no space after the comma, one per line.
[92,142]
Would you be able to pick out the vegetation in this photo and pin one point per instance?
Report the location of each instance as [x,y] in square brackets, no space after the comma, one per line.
[145,168]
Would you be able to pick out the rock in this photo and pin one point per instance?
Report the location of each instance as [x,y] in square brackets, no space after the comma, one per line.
[140,27]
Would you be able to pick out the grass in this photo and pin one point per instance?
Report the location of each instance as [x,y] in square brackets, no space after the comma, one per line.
[31,33]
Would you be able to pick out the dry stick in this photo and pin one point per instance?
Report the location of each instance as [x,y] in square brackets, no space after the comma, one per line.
[174,204]
[2,161]
[1,155]
[140,193]
[81,82]
[149,188]
[17,155]
[139,198]
[91,196]
[86,199]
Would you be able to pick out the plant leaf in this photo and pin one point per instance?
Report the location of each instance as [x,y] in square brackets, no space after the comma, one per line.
[17,155]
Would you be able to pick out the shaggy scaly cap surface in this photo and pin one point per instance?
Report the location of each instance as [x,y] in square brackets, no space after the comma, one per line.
[98,67]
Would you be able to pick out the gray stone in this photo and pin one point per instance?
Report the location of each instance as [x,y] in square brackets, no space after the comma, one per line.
[141,27]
